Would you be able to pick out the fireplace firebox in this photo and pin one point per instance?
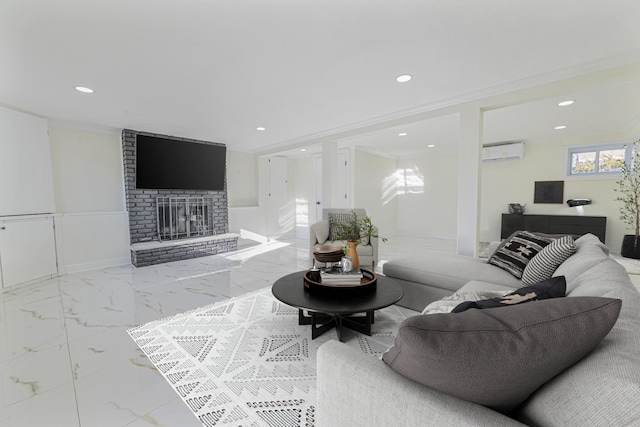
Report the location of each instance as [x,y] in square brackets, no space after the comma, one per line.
[184,217]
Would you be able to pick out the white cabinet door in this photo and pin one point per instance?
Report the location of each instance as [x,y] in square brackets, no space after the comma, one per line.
[26,180]
[27,251]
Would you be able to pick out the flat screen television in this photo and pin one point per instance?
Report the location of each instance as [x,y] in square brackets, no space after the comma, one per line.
[172,164]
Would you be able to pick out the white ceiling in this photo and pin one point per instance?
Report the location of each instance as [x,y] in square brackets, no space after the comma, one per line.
[305,70]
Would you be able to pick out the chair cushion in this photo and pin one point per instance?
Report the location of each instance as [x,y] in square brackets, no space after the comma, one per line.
[361,249]
[499,356]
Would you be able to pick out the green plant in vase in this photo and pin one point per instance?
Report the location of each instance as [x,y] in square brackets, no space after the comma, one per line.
[355,231]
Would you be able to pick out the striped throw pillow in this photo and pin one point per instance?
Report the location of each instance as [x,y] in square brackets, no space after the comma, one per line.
[543,265]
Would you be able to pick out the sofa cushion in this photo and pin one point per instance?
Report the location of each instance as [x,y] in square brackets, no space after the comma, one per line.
[544,264]
[590,252]
[518,250]
[498,357]
[551,288]
[446,271]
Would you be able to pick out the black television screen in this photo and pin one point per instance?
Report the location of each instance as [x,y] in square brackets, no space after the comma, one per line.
[171,164]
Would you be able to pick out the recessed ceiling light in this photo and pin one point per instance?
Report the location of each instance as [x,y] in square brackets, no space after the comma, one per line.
[402,134]
[565,103]
[261,128]
[431,145]
[84,89]
[303,149]
[404,78]
[560,127]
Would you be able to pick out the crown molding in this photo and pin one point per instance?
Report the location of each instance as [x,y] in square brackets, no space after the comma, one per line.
[84,127]
[613,68]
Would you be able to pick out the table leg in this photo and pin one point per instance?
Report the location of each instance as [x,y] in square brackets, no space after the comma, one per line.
[321,323]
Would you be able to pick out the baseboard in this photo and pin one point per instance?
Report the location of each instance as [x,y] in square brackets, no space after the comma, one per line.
[95,265]
[427,234]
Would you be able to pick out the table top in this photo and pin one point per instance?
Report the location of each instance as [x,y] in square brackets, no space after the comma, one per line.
[291,291]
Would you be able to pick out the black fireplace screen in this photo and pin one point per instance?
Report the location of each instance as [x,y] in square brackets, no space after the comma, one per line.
[184,217]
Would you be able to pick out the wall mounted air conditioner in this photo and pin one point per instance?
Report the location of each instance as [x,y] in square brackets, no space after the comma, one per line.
[503,151]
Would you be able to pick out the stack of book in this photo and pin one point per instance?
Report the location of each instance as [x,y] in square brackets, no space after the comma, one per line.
[338,278]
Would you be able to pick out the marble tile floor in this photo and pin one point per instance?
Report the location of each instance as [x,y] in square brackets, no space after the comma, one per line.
[66,359]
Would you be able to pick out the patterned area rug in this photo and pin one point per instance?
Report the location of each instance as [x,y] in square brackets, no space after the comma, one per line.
[246,361]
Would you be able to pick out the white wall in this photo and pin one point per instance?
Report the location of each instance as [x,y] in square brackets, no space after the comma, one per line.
[374,189]
[512,181]
[272,216]
[242,179]
[89,192]
[427,190]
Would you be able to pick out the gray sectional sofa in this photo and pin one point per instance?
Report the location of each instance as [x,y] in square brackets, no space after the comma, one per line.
[602,389]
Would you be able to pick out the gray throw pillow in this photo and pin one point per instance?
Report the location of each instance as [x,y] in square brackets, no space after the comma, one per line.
[334,220]
[518,250]
[499,356]
[544,264]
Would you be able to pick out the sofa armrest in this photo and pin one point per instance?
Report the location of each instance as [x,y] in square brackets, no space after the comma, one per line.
[493,247]
[354,389]
[374,242]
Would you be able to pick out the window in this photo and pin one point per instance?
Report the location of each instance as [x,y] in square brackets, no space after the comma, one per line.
[601,159]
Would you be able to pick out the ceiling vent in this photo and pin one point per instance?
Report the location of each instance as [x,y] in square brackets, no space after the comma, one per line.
[503,151]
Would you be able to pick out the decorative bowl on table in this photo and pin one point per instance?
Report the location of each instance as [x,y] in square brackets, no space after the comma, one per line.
[328,253]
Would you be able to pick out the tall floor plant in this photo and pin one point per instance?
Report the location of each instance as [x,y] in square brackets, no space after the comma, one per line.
[629,190]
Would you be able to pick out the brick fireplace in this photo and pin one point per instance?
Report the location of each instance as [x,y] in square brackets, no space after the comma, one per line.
[200,218]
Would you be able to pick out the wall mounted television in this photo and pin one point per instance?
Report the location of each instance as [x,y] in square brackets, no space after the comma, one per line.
[172,164]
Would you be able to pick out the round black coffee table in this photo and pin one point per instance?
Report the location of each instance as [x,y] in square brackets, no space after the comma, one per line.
[331,310]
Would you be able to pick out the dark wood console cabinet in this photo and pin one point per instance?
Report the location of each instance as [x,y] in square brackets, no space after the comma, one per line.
[554,224]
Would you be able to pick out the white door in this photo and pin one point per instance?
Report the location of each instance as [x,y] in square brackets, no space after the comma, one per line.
[317,163]
[27,251]
[342,198]
[342,184]
[278,179]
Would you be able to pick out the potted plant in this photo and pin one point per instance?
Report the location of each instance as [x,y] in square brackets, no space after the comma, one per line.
[629,189]
[355,231]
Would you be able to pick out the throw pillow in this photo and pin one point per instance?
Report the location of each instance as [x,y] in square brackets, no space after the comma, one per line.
[518,250]
[544,264]
[321,231]
[499,357]
[334,220]
[446,304]
[551,288]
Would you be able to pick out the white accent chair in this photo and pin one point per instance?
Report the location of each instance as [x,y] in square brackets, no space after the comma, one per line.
[319,234]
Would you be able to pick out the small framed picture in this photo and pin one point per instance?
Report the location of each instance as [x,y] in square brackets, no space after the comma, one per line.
[347,264]
[548,192]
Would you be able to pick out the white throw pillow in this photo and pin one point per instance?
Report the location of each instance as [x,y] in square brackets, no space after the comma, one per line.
[321,230]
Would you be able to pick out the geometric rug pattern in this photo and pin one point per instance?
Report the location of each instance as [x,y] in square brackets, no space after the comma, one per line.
[245,361]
